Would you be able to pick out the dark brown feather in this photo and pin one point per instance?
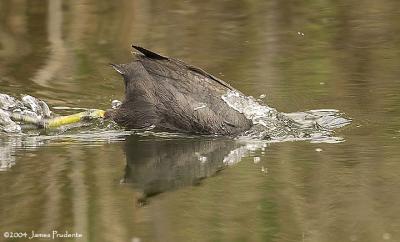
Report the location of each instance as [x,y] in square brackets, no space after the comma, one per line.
[168,93]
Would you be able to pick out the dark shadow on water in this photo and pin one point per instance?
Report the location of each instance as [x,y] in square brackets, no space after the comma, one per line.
[156,165]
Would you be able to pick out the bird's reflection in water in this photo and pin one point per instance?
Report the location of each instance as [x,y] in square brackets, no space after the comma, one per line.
[157,165]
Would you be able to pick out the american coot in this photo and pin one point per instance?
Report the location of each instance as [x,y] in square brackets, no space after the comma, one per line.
[170,95]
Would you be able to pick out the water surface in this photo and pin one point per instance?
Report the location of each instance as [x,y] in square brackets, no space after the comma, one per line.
[143,187]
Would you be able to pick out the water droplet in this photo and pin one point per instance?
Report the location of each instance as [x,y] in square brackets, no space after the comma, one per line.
[115,104]
[256,159]
[264,169]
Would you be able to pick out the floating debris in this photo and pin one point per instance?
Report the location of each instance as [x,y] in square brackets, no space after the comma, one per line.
[318,150]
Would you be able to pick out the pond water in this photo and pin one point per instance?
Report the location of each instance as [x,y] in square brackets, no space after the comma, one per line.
[113,185]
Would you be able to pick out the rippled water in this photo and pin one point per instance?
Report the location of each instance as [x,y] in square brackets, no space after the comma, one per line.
[306,59]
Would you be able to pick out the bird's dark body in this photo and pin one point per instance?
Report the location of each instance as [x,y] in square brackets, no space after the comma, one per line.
[174,96]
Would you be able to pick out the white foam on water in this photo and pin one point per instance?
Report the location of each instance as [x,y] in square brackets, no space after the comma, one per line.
[8,103]
[315,125]
[6,124]
[33,104]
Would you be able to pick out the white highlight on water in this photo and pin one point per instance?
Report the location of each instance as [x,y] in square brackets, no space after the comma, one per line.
[247,149]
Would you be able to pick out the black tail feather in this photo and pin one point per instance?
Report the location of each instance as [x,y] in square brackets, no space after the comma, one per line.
[149,53]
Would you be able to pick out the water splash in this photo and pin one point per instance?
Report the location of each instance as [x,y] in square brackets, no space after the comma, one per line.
[28,106]
[15,135]
[269,124]
[37,106]
[6,124]
[251,109]
[9,103]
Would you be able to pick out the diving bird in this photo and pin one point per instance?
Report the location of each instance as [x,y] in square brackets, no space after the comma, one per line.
[167,94]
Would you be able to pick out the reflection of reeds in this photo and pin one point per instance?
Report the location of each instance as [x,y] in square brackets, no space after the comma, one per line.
[79,197]
[77,190]
[57,50]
